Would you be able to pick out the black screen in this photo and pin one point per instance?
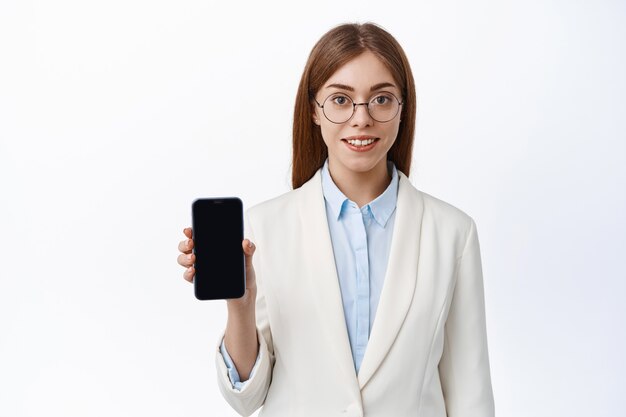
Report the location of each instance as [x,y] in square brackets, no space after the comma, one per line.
[217,235]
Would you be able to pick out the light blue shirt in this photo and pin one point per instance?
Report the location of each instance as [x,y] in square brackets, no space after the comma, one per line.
[361,239]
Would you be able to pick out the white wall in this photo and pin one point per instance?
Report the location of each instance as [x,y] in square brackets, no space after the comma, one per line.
[115,115]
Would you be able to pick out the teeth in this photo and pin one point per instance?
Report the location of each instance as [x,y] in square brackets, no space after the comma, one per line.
[360,142]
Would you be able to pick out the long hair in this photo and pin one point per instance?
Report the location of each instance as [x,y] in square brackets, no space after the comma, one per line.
[338,46]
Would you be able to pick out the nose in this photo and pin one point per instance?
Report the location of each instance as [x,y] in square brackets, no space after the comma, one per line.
[361,117]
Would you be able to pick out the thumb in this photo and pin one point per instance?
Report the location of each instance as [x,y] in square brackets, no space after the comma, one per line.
[248,247]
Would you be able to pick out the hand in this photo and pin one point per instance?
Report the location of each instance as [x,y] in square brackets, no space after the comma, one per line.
[187,259]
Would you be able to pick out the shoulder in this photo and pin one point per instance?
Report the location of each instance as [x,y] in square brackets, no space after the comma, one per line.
[283,211]
[441,214]
[443,210]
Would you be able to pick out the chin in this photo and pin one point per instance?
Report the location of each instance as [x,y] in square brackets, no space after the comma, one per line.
[362,164]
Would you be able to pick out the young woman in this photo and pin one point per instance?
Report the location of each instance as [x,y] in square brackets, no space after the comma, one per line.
[364,295]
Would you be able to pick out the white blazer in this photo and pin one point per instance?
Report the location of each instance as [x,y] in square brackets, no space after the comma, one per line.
[427,352]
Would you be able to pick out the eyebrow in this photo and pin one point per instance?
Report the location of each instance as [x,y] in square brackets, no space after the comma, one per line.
[374,87]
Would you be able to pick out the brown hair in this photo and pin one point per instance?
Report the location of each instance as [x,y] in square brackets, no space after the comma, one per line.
[338,46]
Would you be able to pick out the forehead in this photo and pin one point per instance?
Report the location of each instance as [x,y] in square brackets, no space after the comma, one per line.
[361,73]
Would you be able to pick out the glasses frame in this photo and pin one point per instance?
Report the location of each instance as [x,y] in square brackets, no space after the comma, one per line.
[366,104]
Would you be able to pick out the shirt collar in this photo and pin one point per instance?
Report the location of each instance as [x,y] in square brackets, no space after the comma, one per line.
[381,207]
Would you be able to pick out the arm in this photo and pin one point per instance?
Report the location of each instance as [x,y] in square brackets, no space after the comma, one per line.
[464,366]
[252,395]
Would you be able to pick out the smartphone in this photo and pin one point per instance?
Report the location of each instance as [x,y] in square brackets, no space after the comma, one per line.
[217,235]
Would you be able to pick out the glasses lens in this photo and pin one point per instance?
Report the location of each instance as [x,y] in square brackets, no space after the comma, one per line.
[384,107]
[338,108]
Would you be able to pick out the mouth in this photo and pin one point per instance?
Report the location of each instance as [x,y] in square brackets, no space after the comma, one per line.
[360,143]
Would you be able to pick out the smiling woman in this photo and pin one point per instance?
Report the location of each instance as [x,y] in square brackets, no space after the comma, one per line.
[346,124]
[369,298]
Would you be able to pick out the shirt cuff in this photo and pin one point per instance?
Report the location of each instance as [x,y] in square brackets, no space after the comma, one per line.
[233,375]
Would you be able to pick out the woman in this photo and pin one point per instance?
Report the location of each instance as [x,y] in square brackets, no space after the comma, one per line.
[369,299]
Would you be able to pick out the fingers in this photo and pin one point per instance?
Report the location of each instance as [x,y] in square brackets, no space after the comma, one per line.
[185,246]
[189,273]
[186,259]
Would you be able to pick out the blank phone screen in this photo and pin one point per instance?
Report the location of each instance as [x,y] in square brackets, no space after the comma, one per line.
[217,235]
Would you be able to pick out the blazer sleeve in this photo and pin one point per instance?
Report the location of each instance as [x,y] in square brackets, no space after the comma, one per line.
[252,396]
[464,366]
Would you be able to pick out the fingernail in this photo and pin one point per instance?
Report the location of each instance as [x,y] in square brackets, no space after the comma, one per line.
[189,269]
[249,243]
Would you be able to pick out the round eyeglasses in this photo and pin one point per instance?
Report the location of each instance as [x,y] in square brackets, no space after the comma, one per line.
[339,108]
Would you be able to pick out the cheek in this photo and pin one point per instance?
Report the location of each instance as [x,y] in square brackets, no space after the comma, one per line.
[391,132]
[330,133]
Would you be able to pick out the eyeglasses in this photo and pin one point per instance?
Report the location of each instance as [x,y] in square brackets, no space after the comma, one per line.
[339,108]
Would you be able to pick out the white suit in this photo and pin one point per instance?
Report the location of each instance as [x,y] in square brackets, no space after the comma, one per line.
[427,352]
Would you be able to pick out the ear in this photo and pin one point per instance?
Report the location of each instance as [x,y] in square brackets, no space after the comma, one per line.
[314,116]
[315,119]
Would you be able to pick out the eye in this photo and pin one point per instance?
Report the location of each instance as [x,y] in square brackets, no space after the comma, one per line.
[381,100]
[340,100]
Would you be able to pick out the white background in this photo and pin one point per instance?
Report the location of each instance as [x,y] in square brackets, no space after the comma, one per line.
[115,115]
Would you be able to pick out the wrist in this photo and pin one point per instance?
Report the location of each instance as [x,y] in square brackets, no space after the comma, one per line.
[241,308]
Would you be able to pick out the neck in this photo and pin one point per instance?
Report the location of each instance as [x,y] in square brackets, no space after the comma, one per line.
[360,187]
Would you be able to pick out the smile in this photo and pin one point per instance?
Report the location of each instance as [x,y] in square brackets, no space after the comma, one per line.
[361,145]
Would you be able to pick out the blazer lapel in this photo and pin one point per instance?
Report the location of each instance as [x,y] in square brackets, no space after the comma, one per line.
[400,278]
[319,264]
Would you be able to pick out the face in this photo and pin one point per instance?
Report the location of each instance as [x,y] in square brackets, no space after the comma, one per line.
[364,79]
